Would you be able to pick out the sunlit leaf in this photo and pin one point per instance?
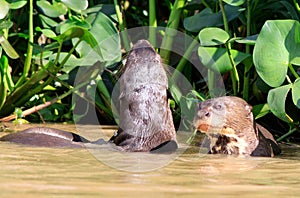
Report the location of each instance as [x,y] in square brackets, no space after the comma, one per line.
[76,5]
[276,101]
[10,51]
[213,36]
[17,4]
[52,10]
[276,47]
[218,60]
[4,8]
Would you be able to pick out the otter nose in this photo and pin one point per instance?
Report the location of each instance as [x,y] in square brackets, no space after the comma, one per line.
[203,111]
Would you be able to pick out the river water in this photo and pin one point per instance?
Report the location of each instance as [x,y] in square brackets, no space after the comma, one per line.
[92,172]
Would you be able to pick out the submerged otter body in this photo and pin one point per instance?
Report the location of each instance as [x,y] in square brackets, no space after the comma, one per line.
[46,137]
[228,122]
[146,122]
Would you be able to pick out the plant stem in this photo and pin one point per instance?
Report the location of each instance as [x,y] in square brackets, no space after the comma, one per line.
[286,135]
[29,47]
[172,25]
[234,73]
[152,22]
[211,82]
[205,4]
[122,26]
[293,71]
[185,58]
[247,66]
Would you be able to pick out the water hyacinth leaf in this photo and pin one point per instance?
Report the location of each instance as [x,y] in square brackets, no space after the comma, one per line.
[83,34]
[206,18]
[296,92]
[76,5]
[218,60]
[108,40]
[52,10]
[234,2]
[213,36]
[276,47]
[17,4]
[276,101]
[4,8]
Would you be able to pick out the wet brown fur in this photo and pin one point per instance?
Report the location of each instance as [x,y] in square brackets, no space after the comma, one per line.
[228,122]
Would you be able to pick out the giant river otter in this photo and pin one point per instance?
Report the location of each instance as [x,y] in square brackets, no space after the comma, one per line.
[229,124]
[146,122]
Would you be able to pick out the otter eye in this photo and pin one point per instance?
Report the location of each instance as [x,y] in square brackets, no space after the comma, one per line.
[218,106]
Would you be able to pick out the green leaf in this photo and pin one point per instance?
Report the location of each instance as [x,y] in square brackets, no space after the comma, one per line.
[108,40]
[276,101]
[276,47]
[4,8]
[250,40]
[47,32]
[218,60]
[260,110]
[6,25]
[47,22]
[296,92]
[234,2]
[76,5]
[17,4]
[10,51]
[206,18]
[213,36]
[54,10]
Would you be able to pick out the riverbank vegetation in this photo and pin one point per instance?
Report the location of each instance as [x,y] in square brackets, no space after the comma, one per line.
[254,45]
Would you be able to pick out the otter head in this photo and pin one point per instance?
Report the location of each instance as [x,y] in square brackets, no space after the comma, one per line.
[229,117]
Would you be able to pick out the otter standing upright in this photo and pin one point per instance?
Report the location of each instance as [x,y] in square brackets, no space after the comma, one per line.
[146,122]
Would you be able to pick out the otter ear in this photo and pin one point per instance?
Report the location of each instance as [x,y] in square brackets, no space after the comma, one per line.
[248,108]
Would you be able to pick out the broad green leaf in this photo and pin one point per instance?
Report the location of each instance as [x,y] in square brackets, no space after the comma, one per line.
[76,5]
[4,8]
[276,47]
[234,2]
[17,4]
[296,92]
[218,60]
[213,36]
[276,101]
[206,18]
[108,41]
[52,10]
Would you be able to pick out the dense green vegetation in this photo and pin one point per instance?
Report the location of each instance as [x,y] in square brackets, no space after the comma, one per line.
[254,45]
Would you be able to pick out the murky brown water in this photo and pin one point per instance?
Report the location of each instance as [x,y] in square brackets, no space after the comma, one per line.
[49,172]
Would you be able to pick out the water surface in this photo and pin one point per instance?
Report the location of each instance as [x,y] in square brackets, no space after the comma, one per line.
[55,172]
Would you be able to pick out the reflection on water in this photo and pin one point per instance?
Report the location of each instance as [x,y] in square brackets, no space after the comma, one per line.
[49,172]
